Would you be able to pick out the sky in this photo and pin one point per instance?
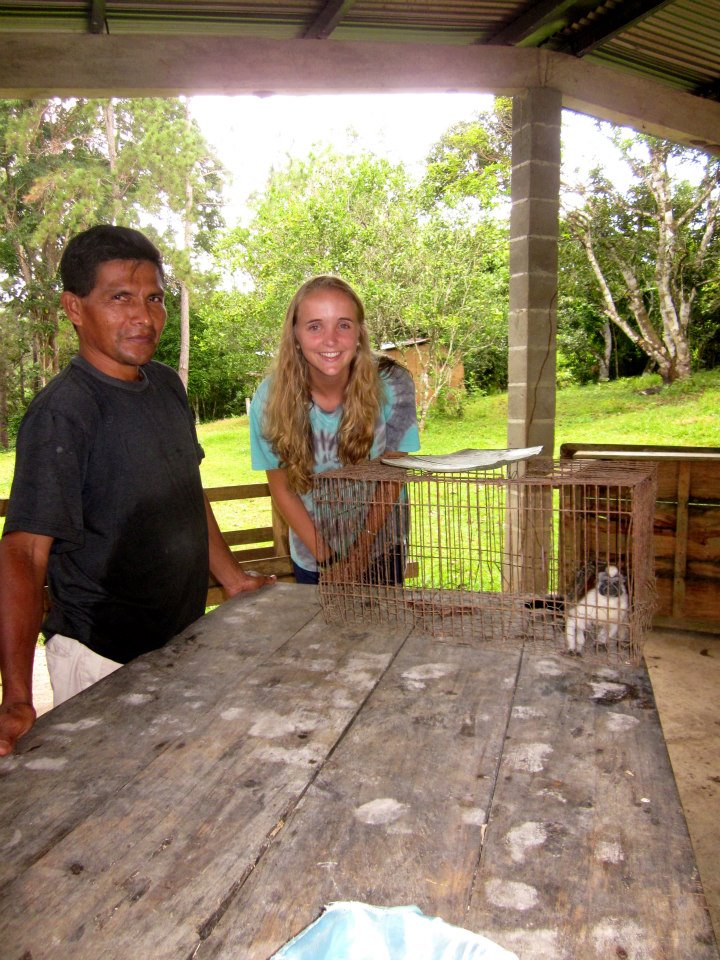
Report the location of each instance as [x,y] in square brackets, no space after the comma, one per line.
[252,135]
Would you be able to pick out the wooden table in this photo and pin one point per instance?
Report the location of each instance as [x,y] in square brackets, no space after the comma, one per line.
[211,797]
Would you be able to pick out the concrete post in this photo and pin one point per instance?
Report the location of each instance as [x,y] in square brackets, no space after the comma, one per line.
[529,565]
[535,188]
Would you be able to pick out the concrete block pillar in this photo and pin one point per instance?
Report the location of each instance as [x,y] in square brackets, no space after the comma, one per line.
[535,188]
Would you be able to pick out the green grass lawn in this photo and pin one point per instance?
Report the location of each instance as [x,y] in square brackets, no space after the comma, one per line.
[686,414]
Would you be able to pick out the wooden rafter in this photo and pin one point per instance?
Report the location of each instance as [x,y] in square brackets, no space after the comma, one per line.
[328,18]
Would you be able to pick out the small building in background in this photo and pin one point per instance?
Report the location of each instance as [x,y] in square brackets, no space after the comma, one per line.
[414,354]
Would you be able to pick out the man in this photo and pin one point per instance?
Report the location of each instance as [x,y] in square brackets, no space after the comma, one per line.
[107,502]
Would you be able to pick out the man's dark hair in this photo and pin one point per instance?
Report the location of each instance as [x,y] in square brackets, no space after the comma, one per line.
[85,252]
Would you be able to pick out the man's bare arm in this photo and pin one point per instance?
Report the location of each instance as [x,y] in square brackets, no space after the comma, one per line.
[23,568]
[223,565]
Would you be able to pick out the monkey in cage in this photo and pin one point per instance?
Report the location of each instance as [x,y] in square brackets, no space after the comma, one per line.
[601,614]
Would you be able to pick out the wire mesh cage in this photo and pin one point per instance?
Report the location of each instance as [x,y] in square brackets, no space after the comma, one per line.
[553,553]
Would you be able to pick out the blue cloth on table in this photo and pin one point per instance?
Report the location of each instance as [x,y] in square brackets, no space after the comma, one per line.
[358,931]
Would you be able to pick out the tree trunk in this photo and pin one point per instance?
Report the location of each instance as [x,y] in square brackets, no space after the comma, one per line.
[54,342]
[184,362]
[604,361]
[658,306]
[4,439]
[111,137]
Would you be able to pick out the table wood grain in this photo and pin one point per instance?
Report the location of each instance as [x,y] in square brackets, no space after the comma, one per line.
[207,800]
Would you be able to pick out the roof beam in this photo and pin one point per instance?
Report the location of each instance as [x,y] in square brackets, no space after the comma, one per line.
[97,22]
[40,65]
[604,27]
[531,21]
[557,23]
[328,18]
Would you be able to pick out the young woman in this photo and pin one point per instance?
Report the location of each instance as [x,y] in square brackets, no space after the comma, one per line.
[327,402]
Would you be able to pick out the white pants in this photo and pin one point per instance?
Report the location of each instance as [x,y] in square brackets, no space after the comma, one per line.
[73,667]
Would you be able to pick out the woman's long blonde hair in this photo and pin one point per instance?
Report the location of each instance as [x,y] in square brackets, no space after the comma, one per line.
[286,423]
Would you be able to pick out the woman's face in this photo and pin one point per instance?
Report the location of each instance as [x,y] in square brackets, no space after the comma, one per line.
[327,330]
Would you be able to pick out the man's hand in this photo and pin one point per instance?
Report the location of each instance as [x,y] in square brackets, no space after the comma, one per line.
[15,720]
[223,565]
[246,582]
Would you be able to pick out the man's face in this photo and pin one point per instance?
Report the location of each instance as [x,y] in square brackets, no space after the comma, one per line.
[120,321]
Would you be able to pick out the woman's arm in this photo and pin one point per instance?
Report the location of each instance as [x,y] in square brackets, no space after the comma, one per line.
[386,495]
[293,510]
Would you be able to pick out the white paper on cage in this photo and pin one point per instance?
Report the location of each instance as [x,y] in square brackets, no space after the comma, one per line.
[462,460]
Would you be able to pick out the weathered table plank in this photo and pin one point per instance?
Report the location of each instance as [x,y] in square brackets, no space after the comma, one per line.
[587,853]
[398,813]
[208,799]
[87,749]
[181,836]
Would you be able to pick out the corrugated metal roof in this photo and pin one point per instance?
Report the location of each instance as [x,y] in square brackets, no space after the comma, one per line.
[676,43]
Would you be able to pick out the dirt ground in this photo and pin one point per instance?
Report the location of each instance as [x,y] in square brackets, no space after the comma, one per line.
[685,673]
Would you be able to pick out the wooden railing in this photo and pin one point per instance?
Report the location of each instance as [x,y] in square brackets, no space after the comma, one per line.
[264,549]
[686,535]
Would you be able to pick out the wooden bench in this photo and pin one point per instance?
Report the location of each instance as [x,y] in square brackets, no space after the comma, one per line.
[686,531]
[264,548]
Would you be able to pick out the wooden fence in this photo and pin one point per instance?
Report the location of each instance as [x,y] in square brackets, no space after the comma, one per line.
[686,529]
[686,533]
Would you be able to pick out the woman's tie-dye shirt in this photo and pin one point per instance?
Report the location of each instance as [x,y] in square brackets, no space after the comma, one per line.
[396,430]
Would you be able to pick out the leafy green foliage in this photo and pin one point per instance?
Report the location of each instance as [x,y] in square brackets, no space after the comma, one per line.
[430,258]
[433,274]
[66,165]
[471,161]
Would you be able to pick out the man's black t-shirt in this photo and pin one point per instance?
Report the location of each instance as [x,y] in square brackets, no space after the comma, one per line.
[109,469]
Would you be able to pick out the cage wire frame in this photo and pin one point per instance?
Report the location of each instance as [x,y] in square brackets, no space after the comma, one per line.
[512,555]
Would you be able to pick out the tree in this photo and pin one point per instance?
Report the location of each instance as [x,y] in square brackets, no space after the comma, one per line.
[471,161]
[178,182]
[229,347]
[328,213]
[66,164]
[590,348]
[47,168]
[460,306]
[466,188]
[423,273]
[652,250]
